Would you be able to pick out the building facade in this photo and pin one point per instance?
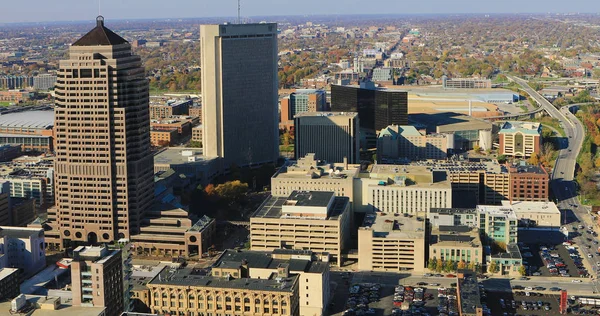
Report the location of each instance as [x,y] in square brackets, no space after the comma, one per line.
[32,130]
[197,133]
[331,136]
[395,142]
[466,83]
[520,139]
[97,278]
[9,283]
[103,167]
[529,183]
[44,82]
[310,220]
[300,101]
[161,111]
[457,244]
[240,93]
[376,108]
[22,248]
[391,243]
[499,223]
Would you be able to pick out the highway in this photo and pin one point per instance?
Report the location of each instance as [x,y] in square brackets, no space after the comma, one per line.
[563,186]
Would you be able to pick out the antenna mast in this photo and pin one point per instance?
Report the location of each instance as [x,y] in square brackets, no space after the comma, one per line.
[99,7]
[239,16]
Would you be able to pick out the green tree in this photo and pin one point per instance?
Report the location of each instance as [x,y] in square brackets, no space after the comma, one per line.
[534,159]
[501,158]
[522,270]
[472,266]
[196,144]
[493,268]
[232,190]
[431,264]
[449,266]
[439,265]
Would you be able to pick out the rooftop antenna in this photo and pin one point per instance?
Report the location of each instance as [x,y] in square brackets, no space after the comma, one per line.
[99,7]
[239,21]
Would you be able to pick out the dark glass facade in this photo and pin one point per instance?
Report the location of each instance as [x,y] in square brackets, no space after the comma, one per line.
[376,109]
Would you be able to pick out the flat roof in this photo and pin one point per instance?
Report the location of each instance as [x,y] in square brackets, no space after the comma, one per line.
[452,211]
[394,225]
[532,207]
[496,210]
[264,260]
[468,290]
[455,236]
[29,119]
[490,166]
[532,128]
[512,252]
[309,198]
[20,232]
[186,277]
[527,169]
[4,272]
[444,122]
[174,155]
[272,208]
[327,114]
[65,309]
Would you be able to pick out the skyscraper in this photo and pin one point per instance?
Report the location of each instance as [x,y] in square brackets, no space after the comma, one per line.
[239,93]
[103,167]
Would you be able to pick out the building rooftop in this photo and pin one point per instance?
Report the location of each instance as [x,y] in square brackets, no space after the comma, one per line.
[202,223]
[327,114]
[468,290]
[527,169]
[179,155]
[407,175]
[390,225]
[531,128]
[522,207]
[186,277]
[4,272]
[449,122]
[452,211]
[100,35]
[449,236]
[264,260]
[98,254]
[20,232]
[273,206]
[309,198]
[29,119]
[309,167]
[497,211]
[65,309]
[512,252]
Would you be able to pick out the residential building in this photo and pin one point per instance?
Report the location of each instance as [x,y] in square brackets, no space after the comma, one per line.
[14,96]
[383,74]
[97,278]
[15,82]
[469,299]
[456,243]
[182,291]
[309,220]
[104,174]
[520,139]
[529,183]
[466,83]
[9,283]
[183,127]
[30,129]
[172,108]
[499,223]
[395,142]
[402,189]
[453,217]
[163,138]
[464,132]
[22,248]
[300,101]
[9,152]
[331,136]
[536,214]
[195,111]
[308,173]
[197,133]
[376,108]
[44,81]
[240,93]
[314,280]
[391,243]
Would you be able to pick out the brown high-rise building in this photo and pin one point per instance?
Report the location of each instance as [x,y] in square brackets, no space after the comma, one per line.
[103,166]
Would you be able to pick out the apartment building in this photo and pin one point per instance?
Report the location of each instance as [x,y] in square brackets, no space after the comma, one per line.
[173,107]
[453,217]
[195,111]
[499,223]
[331,136]
[22,248]
[520,139]
[310,174]
[456,243]
[311,220]
[185,292]
[163,138]
[197,133]
[392,243]
[44,81]
[314,280]
[529,183]
[300,101]
[9,283]
[402,189]
[97,278]
[466,83]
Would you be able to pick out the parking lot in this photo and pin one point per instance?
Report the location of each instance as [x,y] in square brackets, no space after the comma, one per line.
[541,304]
[557,256]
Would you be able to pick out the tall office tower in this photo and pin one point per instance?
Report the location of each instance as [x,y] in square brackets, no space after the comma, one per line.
[330,136]
[239,93]
[103,166]
[97,278]
[377,108]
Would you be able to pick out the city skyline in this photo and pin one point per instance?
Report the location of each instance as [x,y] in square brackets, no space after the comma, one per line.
[137,9]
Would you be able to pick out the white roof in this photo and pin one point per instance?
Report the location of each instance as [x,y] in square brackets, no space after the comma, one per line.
[532,207]
[31,119]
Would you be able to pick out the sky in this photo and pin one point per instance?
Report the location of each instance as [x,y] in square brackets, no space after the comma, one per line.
[78,10]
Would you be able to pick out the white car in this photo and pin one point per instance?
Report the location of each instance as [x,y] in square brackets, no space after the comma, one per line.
[529,288]
[576,281]
[589,255]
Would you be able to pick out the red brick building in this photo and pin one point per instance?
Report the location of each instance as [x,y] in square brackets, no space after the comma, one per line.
[528,183]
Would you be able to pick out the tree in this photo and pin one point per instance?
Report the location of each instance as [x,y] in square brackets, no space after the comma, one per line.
[534,159]
[522,270]
[210,190]
[461,265]
[476,148]
[196,144]
[472,266]
[449,266]
[232,190]
[493,268]
[501,158]
[431,264]
[439,265]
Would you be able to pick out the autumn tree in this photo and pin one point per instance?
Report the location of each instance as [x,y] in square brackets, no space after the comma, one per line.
[493,267]
[431,264]
[472,266]
[522,270]
[232,190]
[439,265]
[210,190]
[461,265]
[534,159]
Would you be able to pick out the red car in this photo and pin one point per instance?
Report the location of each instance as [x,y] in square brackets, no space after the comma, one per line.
[450,276]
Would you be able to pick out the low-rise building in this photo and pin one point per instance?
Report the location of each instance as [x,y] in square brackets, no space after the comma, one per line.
[183,127]
[176,291]
[395,142]
[173,107]
[469,299]
[190,162]
[466,83]
[197,133]
[536,214]
[529,183]
[311,220]
[195,111]
[520,139]
[44,305]
[391,242]
[163,138]
[314,291]
[508,262]
[453,217]
[9,283]
[456,243]
[15,96]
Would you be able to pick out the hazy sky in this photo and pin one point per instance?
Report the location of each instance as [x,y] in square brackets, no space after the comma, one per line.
[69,10]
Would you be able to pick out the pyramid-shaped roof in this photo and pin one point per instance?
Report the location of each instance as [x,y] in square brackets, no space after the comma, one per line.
[100,35]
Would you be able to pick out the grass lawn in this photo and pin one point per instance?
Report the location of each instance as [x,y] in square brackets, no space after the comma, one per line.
[4,103]
[552,122]
[286,149]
